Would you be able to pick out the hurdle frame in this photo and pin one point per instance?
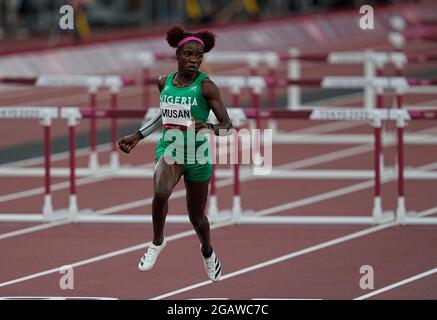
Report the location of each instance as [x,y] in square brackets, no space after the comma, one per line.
[46,115]
[236,214]
[93,83]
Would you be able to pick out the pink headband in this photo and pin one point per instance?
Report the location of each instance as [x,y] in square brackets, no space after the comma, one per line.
[190,39]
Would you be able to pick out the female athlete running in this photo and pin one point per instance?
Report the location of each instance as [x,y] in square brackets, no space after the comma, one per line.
[186,98]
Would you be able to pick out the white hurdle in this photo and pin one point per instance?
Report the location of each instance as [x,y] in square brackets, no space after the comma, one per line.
[372,61]
[93,83]
[46,115]
[401,115]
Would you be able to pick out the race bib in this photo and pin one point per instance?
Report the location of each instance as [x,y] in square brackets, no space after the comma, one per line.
[178,114]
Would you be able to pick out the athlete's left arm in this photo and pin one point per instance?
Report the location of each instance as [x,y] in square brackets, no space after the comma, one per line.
[211,93]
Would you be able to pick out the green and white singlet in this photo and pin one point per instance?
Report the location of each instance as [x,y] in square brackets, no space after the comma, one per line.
[178,107]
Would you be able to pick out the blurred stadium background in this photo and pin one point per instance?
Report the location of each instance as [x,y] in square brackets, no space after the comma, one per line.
[27,18]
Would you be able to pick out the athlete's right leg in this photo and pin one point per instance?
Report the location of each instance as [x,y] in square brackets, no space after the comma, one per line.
[164,180]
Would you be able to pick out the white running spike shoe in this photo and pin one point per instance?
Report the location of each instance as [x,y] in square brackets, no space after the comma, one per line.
[213,267]
[149,258]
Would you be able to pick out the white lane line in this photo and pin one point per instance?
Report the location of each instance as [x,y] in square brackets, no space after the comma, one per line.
[54,187]
[139,203]
[317,198]
[428,212]
[327,127]
[69,100]
[36,228]
[288,256]
[327,157]
[80,152]
[108,255]
[63,185]
[398,284]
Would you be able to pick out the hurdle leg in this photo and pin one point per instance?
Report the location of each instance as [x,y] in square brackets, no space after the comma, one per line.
[256,93]
[213,211]
[115,160]
[236,200]
[73,207]
[369,72]
[47,207]
[272,123]
[401,211]
[293,71]
[377,206]
[93,163]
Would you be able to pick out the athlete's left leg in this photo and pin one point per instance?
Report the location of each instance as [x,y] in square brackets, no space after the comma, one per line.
[197,197]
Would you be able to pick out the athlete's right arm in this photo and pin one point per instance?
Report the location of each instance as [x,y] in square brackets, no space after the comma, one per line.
[156,122]
[127,143]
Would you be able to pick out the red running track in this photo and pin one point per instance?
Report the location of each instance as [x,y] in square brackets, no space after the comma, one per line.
[259,261]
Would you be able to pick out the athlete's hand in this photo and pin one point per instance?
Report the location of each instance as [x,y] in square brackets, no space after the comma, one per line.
[127,143]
